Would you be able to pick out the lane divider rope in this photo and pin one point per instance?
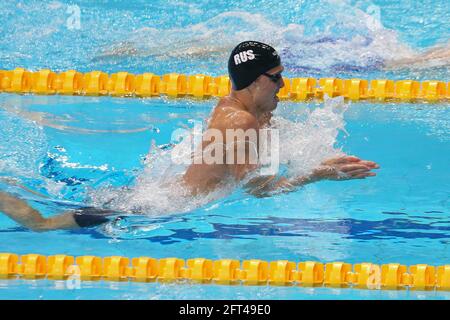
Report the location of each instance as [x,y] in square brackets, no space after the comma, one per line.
[174,85]
[392,276]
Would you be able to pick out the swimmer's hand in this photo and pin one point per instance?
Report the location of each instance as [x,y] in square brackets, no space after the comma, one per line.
[341,168]
[345,168]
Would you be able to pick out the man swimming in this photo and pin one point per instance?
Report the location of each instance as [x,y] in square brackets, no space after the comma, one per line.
[255,71]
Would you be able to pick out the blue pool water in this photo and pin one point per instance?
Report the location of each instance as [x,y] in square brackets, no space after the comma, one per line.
[71,150]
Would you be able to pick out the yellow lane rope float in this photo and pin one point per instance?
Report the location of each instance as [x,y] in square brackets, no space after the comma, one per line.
[390,276]
[174,85]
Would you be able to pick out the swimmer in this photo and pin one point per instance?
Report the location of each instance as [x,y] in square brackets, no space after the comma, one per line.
[436,57]
[255,71]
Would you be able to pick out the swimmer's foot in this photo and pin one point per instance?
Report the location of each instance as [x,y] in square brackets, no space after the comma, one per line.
[19,211]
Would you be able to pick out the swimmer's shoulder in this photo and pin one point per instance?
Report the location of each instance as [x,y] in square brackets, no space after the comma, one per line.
[230,115]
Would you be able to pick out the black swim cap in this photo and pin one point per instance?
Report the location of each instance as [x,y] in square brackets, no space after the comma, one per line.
[249,60]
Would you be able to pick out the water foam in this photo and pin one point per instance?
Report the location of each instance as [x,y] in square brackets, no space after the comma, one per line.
[304,145]
[157,189]
[349,38]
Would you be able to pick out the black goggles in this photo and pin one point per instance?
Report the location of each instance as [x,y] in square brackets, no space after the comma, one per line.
[274,77]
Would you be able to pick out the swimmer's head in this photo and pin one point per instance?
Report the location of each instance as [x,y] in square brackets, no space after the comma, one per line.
[256,67]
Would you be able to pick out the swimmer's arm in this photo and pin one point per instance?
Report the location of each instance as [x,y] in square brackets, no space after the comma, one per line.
[341,168]
[270,185]
[241,121]
[436,56]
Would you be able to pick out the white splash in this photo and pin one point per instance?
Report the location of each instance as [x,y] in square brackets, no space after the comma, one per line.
[351,38]
[158,190]
[305,144]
